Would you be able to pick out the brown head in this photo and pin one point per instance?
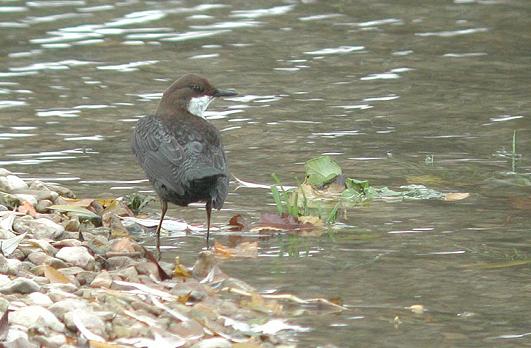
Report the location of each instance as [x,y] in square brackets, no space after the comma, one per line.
[191,93]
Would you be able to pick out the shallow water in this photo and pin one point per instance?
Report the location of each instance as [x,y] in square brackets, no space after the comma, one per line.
[378,85]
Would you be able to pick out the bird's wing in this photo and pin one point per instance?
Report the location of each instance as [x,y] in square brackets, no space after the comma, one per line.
[159,153]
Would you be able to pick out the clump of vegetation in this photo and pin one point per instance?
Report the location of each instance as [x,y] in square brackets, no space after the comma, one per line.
[136,202]
[325,190]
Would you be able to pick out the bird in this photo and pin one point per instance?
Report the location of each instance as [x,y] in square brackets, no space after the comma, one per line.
[180,151]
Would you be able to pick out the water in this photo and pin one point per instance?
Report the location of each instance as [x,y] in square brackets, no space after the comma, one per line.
[380,86]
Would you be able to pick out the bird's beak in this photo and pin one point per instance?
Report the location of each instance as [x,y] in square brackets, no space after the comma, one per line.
[225,93]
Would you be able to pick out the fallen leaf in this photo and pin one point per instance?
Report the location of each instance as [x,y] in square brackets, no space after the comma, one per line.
[55,276]
[100,344]
[245,249]
[181,271]
[85,202]
[149,255]
[79,211]
[455,196]
[258,303]
[236,223]
[417,309]
[312,220]
[27,208]
[11,244]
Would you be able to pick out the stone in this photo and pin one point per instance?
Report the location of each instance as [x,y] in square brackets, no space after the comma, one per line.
[77,256]
[13,266]
[61,190]
[8,200]
[4,265]
[72,225]
[86,277]
[40,299]
[26,198]
[36,317]
[4,279]
[40,228]
[102,280]
[64,306]
[89,319]
[44,245]
[37,257]
[20,286]
[119,262]
[52,341]
[5,234]
[57,294]
[12,183]
[214,342]
[43,205]
[4,172]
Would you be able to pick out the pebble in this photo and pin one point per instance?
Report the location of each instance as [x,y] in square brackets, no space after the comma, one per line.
[215,342]
[12,183]
[27,198]
[20,286]
[89,319]
[102,280]
[77,256]
[64,306]
[40,228]
[40,299]
[4,265]
[42,205]
[36,317]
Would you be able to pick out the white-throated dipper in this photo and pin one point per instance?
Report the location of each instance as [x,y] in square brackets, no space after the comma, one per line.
[180,151]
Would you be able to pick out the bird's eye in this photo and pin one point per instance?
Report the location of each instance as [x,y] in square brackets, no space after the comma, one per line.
[197,88]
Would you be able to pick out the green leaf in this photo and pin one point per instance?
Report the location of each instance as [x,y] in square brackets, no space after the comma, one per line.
[79,211]
[321,170]
[276,198]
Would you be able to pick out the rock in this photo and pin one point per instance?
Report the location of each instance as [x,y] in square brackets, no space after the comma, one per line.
[89,319]
[12,183]
[100,231]
[17,338]
[37,257]
[86,277]
[20,286]
[72,225]
[61,190]
[77,256]
[40,228]
[44,245]
[42,205]
[27,198]
[119,262]
[5,234]
[13,266]
[214,342]
[9,200]
[4,172]
[4,279]
[129,274]
[53,341]
[36,317]
[4,266]
[62,307]
[4,305]
[40,299]
[57,294]
[102,280]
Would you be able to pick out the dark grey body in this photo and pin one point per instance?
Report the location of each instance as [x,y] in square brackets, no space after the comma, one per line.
[183,158]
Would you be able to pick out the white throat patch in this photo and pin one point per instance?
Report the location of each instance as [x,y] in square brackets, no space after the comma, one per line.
[198,105]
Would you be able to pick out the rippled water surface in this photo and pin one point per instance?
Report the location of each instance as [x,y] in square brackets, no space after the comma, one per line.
[380,85]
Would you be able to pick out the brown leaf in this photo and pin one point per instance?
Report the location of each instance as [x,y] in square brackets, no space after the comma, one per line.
[162,274]
[245,249]
[237,223]
[455,196]
[27,208]
[98,344]
[55,276]
[181,271]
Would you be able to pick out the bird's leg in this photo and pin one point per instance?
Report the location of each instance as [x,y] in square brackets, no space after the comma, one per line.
[209,212]
[164,208]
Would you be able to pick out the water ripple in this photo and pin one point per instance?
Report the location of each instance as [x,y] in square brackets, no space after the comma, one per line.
[320,17]
[336,50]
[380,22]
[11,103]
[228,25]
[454,32]
[61,65]
[133,66]
[273,11]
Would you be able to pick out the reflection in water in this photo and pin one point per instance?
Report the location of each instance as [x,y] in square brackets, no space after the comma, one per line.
[378,86]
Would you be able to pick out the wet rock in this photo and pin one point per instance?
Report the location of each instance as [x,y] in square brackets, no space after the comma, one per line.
[12,183]
[40,299]
[215,342]
[61,190]
[20,286]
[36,317]
[5,234]
[4,172]
[62,307]
[40,228]
[119,262]
[102,280]
[89,319]
[77,256]
[43,205]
